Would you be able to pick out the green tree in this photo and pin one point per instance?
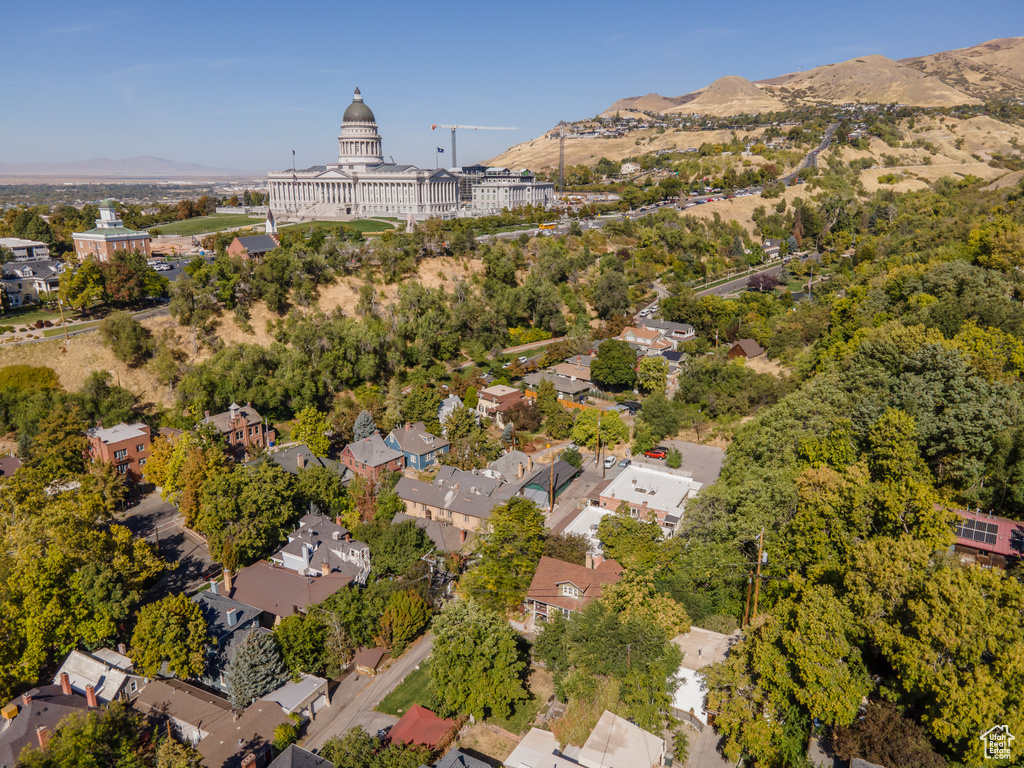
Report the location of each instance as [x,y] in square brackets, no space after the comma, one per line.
[572,456]
[614,366]
[171,630]
[610,294]
[59,447]
[567,547]
[353,750]
[479,665]
[82,286]
[256,668]
[111,737]
[630,542]
[510,548]
[547,398]
[652,374]
[674,459]
[613,430]
[406,616]
[313,428]
[301,639]
[129,340]
[364,426]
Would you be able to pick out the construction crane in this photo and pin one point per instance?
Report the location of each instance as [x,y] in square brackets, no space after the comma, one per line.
[468,128]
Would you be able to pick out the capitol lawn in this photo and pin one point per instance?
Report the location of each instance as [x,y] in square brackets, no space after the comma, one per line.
[362,225]
[203,224]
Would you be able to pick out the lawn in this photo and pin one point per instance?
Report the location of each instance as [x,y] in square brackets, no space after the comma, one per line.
[30,316]
[415,689]
[203,224]
[362,225]
[59,330]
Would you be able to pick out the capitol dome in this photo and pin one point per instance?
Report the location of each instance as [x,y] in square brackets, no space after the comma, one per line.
[358,112]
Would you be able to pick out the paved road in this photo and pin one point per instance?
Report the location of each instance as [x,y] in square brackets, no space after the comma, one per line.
[159,522]
[811,161]
[353,702]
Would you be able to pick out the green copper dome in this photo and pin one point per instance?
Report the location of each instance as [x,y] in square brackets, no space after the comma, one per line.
[358,112]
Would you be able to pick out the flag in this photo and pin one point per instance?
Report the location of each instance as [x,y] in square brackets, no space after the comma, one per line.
[440,150]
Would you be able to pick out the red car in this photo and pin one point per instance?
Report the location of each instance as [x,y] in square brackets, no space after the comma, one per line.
[657,453]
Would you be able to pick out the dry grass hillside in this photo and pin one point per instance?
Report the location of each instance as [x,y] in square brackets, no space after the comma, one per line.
[867,80]
[652,102]
[994,69]
[542,153]
[731,95]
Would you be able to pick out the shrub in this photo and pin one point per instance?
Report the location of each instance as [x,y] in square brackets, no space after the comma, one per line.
[128,339]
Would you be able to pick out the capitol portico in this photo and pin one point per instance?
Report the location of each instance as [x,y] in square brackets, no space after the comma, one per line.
[361,184]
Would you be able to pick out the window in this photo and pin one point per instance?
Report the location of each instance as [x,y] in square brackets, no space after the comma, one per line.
[123,453]
[240,435]
[122,469]
[568,590]
[133,686]
[142,462]
[140,448]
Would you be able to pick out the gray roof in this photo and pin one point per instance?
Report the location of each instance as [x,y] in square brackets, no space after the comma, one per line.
[668,328]
[49,706]
[415,439]
[326,540]
[446,538]
[563,473]
[358,112]
[508,465]
[297,757]
[455,499]
[85,669]
[456,758]
[288,460]
[373,451]
[222,421]
[258,243]
[215,610]
[561,383]
[466,480]
[291,694]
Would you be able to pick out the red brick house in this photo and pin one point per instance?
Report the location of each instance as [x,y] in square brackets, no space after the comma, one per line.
[126,446]
[110,235]
[254,247]
[243,428]
[371,457]
[560,587]
[495,401]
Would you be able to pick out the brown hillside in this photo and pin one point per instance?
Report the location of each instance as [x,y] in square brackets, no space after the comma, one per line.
[731,95]
[652,102]
[868,80]
[994,69]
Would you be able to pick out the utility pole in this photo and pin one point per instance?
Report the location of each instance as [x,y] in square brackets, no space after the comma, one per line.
[599,445]
[63,322]
[551,485]
[750,584]
[561,160]
[757,584]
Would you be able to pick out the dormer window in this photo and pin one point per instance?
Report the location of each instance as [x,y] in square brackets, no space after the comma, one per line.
[569,590]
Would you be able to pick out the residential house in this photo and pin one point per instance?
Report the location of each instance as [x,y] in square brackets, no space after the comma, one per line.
[421,726]
[613,742]
[573,390]
[297,757]
[675,332]
[321,547]
[512,466]
[296,458]
[25,250]
[550,481]
[456,758]
[700,647]
[126,446]
[446,538]
[227,623]
[573,369]
[745,349]
[447,408]
[560,587]
[110,675]
[23,281]
[279,592]
[304,697]
[224,737]
[988,540]
[109,235]
[646,340]
[254,247]
[32,718]
[243,427]
[371,457]
[419,447]
[368,660]
[494,401]
[772,248]
[586,524]
[9,465]
[459,507]
[649,491]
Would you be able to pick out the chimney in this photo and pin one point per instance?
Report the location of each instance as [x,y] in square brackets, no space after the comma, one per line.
[232,617]
[26,699]
[301,460]
[90,696]
[408,427]
[122,649]
[43,735]
[227,582]
[462,535]
[324,568]
[207,414]
[529,463]
[519,472]
[65,684]
[249,760]
[213,587]
[348,536]
[590,560]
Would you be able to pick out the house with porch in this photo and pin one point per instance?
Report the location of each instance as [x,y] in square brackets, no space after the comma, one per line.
[495,400]
[419,447]
[320,547]
[566,588]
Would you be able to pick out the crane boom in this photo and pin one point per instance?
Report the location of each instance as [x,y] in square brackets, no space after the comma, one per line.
[453,128]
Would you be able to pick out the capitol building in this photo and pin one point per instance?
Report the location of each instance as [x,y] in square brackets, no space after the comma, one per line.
[361,184]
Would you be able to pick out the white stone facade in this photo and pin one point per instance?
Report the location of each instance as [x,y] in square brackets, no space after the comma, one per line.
[361,184]
[500,188]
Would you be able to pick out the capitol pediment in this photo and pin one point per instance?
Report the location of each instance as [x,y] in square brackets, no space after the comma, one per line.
[334,173]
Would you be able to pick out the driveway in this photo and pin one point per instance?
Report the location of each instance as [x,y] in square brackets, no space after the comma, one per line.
[353,702]
[159,523]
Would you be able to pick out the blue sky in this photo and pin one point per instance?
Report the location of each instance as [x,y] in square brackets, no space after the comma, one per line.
[241,85]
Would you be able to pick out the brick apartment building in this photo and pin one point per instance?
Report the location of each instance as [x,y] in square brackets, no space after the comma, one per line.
[126,446]
[109,235]
[242,428]
[371,457]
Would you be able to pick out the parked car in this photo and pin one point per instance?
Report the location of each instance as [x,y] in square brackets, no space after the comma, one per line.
[609,462]
[625,463]
[659,452]
[522,360]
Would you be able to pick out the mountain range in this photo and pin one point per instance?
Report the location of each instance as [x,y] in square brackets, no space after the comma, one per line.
[143,166]
[994,69]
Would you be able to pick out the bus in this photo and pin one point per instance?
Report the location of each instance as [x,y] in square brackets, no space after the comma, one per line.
[548,225]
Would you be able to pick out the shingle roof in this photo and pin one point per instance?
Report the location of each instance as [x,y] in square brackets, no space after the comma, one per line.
[456,758]
[49,707]
[183,702]
[446,538]
[85,669]
[257,243]
[280,591]
[750,347]
[231,740]
[455,499]
[560,383]
[416,439]
[667,327]
[215,610]
[222,421]
[369,657]
[563,472]
[420,726]
[373,451]
[551,573]
[508,465]
[296,757]
[288,460]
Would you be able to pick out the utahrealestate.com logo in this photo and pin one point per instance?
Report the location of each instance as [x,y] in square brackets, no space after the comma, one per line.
[997,742]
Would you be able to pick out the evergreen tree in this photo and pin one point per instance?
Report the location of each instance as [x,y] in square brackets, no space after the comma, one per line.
[364,426]
[256,668]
